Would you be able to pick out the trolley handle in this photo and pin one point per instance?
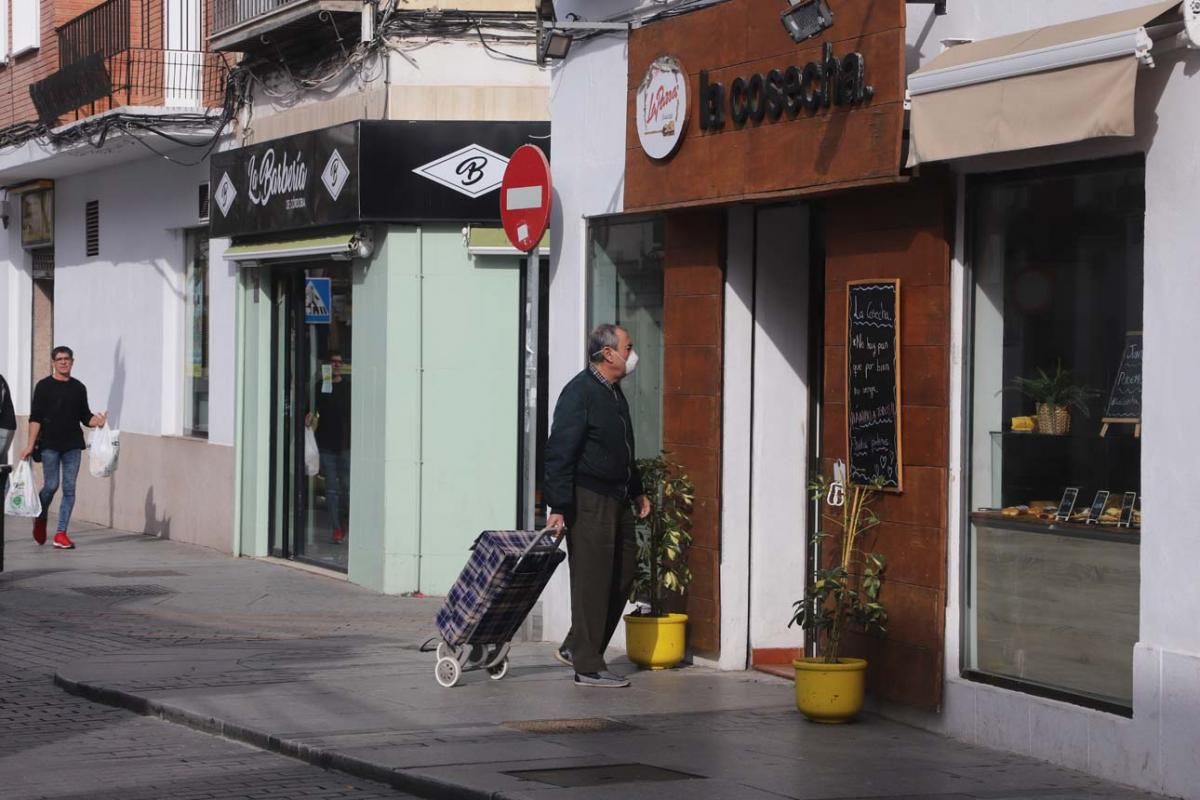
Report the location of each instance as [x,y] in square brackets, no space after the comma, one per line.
[555,534]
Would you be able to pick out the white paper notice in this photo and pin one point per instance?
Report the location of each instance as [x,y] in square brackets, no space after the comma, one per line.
[327,379]
[522,232]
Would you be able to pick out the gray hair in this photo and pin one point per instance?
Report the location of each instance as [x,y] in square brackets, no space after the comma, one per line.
[602,336]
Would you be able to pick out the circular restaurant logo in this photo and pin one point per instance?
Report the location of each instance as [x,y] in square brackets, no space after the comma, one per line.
[662,107]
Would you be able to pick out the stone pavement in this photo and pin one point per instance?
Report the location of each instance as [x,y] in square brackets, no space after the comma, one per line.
[327,672]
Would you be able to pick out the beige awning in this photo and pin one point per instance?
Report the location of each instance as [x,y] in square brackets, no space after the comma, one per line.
[1064,83]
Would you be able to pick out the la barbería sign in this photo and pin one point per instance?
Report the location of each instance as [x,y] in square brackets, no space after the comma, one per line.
[834,81]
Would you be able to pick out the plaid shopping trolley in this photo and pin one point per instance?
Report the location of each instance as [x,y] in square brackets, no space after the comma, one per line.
[503,578]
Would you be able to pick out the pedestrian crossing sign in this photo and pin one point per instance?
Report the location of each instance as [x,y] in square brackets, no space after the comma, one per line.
[318,301]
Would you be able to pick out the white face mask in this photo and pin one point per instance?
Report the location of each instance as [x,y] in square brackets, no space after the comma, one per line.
[631,363]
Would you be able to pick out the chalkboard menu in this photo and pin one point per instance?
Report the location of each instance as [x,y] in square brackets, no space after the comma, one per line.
[873,382]
[1125,399]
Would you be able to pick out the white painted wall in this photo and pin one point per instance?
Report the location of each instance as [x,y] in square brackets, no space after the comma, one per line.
[587,98]
[122,312]
[778,501]
[16,304]
[1156,748]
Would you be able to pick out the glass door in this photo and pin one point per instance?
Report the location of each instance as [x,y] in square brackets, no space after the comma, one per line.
[310,464]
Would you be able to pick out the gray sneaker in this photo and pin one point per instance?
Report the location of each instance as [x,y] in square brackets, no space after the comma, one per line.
[601,680]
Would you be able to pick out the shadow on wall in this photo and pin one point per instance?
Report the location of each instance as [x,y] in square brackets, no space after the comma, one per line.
[154,526]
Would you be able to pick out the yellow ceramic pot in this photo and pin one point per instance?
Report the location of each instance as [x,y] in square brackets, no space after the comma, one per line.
[830,693]
[655,642]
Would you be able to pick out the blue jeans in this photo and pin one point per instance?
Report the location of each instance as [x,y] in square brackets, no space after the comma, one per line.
[52,461]
[335,468]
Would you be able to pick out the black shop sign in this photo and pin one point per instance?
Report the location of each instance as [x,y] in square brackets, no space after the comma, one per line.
[813,87]
[367,171]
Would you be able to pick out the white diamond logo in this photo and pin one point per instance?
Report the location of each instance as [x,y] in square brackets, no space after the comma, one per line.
[335,175]
[225,194]
[473,170]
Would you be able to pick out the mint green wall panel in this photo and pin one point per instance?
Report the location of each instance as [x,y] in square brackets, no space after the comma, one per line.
[471,353]
[386,435]
[252,421]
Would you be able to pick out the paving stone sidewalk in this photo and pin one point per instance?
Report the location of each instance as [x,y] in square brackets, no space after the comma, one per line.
[330,673]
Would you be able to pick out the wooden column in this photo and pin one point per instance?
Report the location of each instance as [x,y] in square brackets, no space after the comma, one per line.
[901,232]
[693,325]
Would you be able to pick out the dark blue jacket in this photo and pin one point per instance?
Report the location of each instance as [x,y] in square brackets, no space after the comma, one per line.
[590,445]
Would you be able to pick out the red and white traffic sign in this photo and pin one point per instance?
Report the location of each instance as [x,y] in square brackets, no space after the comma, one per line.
[525,197]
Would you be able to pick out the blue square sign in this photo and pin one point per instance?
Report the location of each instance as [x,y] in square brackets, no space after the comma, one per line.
[318,301]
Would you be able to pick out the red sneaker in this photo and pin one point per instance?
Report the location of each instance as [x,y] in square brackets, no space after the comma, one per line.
[39,530]
[63,542]
[339,536]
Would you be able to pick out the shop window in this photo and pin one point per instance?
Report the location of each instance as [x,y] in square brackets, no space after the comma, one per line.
[1056,258]
[195,394]
[625,270]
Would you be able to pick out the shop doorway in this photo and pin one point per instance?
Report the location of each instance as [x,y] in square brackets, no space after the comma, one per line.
[311,395]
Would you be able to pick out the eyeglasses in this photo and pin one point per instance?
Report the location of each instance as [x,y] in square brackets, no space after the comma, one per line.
[64,358]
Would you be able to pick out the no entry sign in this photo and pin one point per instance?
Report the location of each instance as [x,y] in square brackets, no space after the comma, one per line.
[525,197]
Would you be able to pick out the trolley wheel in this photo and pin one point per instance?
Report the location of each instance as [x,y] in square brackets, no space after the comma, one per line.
[447,672]
[444,650]
[499,671]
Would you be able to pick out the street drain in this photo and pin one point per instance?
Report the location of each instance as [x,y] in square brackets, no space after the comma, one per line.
[588,725]
[128,590]
[608,774]
[142,573]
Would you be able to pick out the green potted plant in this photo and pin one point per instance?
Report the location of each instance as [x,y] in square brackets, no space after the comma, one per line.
[654,637]
[845,594]
[1054,395]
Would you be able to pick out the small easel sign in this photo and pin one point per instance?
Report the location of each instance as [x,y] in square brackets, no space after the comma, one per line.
[1124,405]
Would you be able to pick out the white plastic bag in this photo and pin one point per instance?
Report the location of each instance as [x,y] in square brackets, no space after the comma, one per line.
[312,456]
[21,499]
[103,451]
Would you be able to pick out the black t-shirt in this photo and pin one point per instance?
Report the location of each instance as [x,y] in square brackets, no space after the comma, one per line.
[61,407]
[333,427]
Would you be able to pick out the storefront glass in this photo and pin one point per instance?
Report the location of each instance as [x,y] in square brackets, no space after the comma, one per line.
[312,409]
[625,271]
[195,395]
[1053,589]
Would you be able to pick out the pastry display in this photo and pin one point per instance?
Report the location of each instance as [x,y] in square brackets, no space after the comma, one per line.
[1045,510]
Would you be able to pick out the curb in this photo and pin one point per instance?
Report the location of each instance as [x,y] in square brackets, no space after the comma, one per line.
[405,781]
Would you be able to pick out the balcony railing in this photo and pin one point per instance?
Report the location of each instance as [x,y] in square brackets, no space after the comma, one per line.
[185,79]
[230,13]
[105,29]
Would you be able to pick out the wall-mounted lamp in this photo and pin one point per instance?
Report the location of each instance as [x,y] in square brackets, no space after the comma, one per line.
[554,44]
[805,19]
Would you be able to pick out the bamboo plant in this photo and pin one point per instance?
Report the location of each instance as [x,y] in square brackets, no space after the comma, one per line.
[846,593]
[664,536]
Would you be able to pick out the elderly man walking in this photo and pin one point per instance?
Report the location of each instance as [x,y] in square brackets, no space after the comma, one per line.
[593,488]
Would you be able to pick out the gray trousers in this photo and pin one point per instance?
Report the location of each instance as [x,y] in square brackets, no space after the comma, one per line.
[602,554]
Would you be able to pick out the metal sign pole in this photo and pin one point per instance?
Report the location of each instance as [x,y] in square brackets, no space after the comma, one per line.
[532,284]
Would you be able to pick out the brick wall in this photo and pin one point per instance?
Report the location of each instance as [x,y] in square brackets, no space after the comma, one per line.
[901,232]
[146,32]
[693,326]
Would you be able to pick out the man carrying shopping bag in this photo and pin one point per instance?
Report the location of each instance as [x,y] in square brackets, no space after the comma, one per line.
[60,406]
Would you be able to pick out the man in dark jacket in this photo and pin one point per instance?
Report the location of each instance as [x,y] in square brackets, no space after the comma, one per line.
[8,419]
[60,406]
[593,487]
